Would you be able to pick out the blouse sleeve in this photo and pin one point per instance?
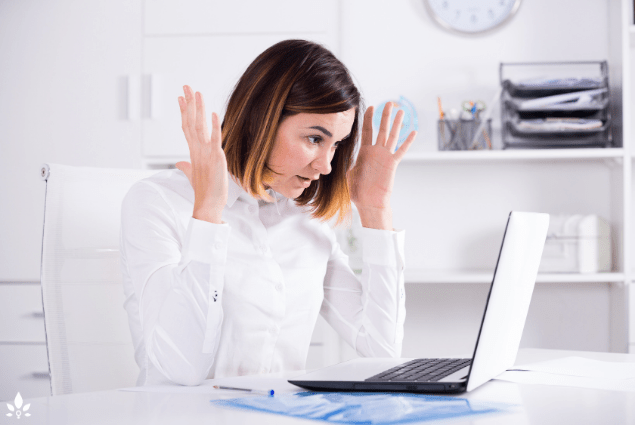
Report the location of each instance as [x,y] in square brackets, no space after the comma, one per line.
[178,282]
[369,315]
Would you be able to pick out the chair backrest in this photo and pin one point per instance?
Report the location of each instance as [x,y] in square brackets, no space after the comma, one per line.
[87,336]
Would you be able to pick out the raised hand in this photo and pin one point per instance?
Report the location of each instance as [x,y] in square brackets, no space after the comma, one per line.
[207,171]
[372,177]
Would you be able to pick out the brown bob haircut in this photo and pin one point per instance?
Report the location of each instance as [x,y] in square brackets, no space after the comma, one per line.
[290,77]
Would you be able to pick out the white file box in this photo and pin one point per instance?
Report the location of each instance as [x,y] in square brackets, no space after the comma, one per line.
[577,244]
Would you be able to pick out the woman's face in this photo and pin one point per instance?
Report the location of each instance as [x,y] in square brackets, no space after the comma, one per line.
[304,147]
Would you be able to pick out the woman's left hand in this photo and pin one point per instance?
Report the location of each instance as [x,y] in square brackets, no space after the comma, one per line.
[372,177]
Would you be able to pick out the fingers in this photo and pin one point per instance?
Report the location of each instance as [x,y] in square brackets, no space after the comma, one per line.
[216,132]
[405,145]
[201,123]
[190,110]
[367,127]
[391,143]
[184,125]
[382,135]
[193,118]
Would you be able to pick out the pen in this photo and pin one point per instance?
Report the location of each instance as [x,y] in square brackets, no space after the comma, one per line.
[441,122]
[269,392]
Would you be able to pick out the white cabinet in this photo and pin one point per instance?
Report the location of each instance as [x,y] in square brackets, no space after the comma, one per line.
[21,314]
[64,90]
[22,342]
[205,45]
[63,86]
[209,64]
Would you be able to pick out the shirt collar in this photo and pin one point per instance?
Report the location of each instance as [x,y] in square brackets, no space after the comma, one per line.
[236,191]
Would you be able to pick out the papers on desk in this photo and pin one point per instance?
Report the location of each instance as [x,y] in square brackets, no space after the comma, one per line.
[363,407]
[576,372]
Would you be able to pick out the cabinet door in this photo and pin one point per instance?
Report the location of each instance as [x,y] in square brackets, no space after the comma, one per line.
[208,45]
[63,83]
[211,65]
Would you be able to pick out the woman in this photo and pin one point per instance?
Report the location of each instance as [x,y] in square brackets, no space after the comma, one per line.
[228,261]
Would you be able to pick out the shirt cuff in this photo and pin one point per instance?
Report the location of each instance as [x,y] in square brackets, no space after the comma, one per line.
[382,247]
[206,242]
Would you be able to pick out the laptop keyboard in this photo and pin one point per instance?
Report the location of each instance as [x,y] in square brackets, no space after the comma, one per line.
[421,370]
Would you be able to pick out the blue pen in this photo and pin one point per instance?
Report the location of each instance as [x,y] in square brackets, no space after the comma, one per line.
[269,392]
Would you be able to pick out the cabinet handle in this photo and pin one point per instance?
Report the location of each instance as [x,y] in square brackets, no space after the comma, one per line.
[40,375]
[37,314]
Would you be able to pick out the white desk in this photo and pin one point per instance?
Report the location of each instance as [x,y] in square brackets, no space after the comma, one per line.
[536,404]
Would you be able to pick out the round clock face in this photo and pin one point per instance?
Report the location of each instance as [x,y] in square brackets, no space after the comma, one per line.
[472,16]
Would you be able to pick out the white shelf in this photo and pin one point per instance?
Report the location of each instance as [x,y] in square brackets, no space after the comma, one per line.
[514,154]
[423,276]
[474,156]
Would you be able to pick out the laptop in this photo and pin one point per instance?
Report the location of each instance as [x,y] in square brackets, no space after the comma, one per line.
[498,338]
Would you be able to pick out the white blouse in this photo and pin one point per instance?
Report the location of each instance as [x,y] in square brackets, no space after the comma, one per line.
[209,301]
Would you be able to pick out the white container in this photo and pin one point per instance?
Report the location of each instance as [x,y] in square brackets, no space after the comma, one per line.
[577,244]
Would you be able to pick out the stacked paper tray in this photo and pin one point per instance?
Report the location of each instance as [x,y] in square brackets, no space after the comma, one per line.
[559,111]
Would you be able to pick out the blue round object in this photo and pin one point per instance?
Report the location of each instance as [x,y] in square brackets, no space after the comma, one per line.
[410,121]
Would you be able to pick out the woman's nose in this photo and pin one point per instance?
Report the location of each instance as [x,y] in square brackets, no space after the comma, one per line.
[322,163]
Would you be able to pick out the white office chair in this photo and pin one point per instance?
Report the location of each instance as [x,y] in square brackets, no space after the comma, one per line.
[87,335]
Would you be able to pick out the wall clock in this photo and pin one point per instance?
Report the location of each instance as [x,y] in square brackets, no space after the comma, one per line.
[472,16]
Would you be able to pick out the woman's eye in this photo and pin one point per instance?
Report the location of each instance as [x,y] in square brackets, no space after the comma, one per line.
[315,139]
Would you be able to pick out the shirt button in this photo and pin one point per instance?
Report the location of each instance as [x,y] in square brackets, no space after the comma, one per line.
[252,209]
[218,246]
[279,287]
[273,330]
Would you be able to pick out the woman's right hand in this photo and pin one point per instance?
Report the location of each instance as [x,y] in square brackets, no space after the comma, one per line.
[207,171]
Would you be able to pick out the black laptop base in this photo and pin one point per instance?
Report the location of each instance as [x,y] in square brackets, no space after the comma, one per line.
[436,388]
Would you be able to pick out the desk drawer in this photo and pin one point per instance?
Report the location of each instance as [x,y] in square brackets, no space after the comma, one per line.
[24,369]
[21,313]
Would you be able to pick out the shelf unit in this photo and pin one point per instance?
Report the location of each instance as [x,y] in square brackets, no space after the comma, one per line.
[628,66]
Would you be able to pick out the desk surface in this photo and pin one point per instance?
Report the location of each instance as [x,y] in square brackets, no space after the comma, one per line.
[535,404]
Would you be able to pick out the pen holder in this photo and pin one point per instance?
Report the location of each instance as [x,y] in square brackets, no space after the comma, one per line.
[458,135]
